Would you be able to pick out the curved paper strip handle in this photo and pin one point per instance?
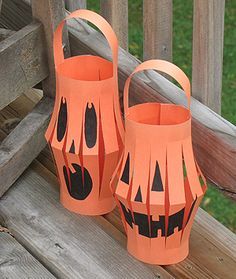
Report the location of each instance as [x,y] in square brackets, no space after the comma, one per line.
[162,66]
[99,22]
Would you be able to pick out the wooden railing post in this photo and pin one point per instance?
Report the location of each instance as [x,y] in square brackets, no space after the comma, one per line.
[116,13]
[72,5]
[50,13]
[208,35]
[157,29]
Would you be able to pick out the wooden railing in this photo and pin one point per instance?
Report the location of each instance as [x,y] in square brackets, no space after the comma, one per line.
[214,138]
[208,34]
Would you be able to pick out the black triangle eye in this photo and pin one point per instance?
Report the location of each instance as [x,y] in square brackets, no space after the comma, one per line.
[125,174]
[62,120]
[157,185]
[90,126]
[138,197]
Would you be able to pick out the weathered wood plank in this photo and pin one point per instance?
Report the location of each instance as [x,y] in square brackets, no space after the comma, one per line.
[19,10]
[23,56]
[212,249]
[157,29]
[208,36]
[0,6]
[214,137]
[17,262]
[23,144]
[198,265]
[72,5]
[116,13]
[69,245]
[4,33]
[50,13]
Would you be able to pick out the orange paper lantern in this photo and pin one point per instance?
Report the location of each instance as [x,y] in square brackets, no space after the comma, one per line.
[158,185]
[86,130]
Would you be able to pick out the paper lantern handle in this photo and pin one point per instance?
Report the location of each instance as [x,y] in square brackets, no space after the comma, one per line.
[95,19]
[162,66]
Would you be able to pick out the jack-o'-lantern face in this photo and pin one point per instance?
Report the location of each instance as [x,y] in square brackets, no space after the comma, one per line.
[154,225]
[158,186]
[86,144]
[86,130]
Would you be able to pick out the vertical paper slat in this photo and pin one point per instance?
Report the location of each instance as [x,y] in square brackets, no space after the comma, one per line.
[157,29]
[208,35]
[116,13]
[72,5]
[50,13]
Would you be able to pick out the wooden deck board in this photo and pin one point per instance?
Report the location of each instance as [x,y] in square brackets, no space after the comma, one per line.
[210,256]
[17,262]
[70,246]
[212,247]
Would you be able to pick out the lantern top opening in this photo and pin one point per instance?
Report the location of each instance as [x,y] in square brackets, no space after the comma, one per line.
[158,114]
[86,68]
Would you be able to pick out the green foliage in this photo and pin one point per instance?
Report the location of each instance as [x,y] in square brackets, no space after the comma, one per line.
[223,209]
[214,202]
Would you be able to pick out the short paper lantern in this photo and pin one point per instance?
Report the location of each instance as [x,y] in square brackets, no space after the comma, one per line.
[158,184]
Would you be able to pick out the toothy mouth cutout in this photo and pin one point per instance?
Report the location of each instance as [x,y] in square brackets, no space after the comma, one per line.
[142,221]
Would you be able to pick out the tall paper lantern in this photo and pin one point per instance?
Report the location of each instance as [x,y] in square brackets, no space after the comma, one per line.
[158,184]
[86,130]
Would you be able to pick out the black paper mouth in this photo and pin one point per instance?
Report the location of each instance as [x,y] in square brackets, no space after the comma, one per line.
[151,230]
[79,183]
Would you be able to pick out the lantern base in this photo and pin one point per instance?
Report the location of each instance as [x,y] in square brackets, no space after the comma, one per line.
[91,208]
[152,255]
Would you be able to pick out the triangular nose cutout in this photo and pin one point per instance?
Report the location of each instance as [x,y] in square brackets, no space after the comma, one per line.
[138,197]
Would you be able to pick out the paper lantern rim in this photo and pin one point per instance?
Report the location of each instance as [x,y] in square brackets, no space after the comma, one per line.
[79,62]
[184,114]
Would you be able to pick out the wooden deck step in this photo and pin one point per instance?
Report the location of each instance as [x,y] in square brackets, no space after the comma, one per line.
[70,246]
[73,246]
[17,262]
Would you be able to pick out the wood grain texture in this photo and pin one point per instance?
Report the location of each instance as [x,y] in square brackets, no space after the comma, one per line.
[23,56]
[50,13]
[17,262]
[212,249]
[157,29]
[4,33]
[208,235]
[207,64]
[69,245]
[23,144]
[72,5]
[0,6]
[116,13]
[214,137]
[19,10]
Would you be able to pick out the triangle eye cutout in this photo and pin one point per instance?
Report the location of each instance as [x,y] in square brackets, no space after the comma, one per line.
[125,174]
[157,185]
[138,197]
